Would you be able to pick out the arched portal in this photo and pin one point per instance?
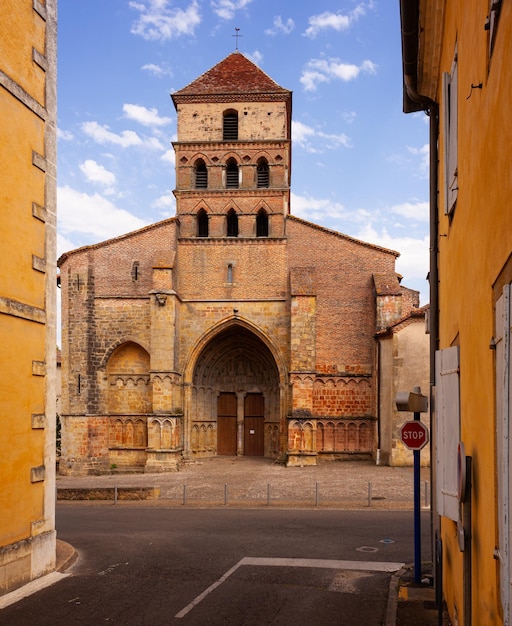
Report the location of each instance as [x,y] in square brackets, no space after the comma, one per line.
[235,397]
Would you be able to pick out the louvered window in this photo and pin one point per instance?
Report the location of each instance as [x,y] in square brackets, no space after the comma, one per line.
[262,223]
[491,23]
[232,224]
[202,223]
[447,427]
[262,171]
[230,126]
[201,175]
[450,113]
[503,384]
[232,174]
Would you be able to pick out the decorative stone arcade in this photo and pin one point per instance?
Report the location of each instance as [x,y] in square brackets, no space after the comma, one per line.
[234,400]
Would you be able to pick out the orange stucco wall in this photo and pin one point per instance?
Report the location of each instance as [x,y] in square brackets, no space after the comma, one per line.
[27,290]
[474,247]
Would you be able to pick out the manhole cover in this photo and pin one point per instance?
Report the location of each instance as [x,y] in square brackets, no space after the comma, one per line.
[367,549]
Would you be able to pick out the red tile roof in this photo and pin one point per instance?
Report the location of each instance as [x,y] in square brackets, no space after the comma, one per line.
[233,75]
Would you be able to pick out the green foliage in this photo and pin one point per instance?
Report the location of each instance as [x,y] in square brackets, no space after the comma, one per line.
[58,435]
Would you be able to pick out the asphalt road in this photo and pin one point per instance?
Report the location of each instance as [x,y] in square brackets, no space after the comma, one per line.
[141,565]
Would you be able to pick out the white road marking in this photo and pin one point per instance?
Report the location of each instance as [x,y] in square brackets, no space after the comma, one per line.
[366,566]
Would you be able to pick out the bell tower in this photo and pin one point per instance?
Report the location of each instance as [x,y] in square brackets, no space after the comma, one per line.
[233,153]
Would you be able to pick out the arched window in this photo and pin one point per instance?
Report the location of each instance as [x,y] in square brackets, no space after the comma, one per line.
[262,173]
[202,223]
[232,223]
[230,274]
[230,125]
[262,223]
[232,174]
[201,174]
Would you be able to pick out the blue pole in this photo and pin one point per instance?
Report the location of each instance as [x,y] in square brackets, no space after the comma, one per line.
[417,517]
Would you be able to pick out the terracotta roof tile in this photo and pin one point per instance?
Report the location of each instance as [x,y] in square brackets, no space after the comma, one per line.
[233,75]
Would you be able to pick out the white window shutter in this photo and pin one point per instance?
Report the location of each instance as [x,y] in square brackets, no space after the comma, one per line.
[450,107]
[503,451]
[447,416]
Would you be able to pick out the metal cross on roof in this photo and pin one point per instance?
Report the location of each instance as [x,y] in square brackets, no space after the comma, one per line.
[237,35]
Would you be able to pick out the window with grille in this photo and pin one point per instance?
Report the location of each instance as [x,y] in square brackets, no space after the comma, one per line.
[201,174]
[262,223]
[232,224]
[262,172]
[230,126]
[202,223]
[232,174]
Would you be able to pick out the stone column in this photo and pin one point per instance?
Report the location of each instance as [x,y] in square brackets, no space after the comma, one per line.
[164,378]
[240,414]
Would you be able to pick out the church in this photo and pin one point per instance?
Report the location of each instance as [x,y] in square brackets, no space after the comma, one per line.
[233,328]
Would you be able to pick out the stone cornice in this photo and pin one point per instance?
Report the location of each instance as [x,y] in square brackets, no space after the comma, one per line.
[24,311]
[284,96]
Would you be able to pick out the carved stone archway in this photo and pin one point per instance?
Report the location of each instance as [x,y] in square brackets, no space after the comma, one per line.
[235,362]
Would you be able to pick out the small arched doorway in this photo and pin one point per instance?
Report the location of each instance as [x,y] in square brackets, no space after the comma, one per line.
[235,395]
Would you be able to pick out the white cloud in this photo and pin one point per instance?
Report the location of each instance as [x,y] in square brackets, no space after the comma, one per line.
[301,132]
[158,22]
[336,21]
[125,139]
[103,134]
[328,212]
[304,136]
[167,201]
[417,211]
[324,70]
[164,69]
[349,116]
[63,245]
[316,210]
[424,162]
[96,173]
[89,218]
[169,156]
[256,57]
[64,135]
[146,117]
[226,9]
[414,253]
[281,28]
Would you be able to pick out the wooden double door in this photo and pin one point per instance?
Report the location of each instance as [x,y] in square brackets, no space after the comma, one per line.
[253,424]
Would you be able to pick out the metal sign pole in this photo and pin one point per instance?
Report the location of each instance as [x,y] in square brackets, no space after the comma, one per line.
[417,516]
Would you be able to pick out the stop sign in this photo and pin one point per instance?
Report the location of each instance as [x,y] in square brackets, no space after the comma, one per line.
[414,435]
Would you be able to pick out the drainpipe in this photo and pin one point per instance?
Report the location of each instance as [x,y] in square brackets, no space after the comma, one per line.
[414,101]
[434,308]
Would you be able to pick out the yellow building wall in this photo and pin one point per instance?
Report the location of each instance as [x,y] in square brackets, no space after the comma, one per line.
[27,290]
[474,247]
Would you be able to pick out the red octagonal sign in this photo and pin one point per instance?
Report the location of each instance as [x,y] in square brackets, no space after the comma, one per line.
[414,435]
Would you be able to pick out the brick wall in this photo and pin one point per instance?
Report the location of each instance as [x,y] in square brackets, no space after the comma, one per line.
[345,317]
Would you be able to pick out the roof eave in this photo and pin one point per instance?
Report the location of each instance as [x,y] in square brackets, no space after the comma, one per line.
[410,31]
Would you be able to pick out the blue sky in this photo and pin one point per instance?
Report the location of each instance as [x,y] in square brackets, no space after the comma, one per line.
[359,165]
